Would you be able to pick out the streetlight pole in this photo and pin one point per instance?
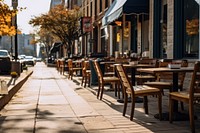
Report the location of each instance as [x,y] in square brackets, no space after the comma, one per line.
[15,4]
[16,66]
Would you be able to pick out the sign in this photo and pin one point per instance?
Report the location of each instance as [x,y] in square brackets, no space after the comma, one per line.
[86,24]
[14,3]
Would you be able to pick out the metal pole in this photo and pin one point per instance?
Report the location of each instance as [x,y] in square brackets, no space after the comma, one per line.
[16,41]
[15,4]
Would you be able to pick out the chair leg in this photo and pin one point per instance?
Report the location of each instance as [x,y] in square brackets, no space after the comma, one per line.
[85,81]
[146,105]
[191,114]
[69,74]
[89,81]
[118,89]
[72,75]
[102,90]
[99,87]
[115,88]
[125,104]
[132,107]
[160,106]
[171,105]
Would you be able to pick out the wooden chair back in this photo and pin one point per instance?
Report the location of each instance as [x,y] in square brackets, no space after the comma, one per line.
[85,66]
[149,61]
[98,71]
[127,86]
[70,64]
[195,82]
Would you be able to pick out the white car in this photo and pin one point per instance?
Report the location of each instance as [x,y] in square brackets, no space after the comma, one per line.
[29,60]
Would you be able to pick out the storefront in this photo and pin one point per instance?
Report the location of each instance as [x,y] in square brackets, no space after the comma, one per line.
[127,21]
[186,29]
[175,27]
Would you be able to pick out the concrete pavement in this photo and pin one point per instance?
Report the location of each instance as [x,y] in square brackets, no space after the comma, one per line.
[49,102]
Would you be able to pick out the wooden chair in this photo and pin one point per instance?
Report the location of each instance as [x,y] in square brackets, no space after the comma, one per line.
[188,97]
[72,69]
[57,64]
[62,66]
[136,91]
[86,73]
[102,80]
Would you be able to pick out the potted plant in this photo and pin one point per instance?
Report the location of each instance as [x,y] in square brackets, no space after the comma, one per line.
[14,74]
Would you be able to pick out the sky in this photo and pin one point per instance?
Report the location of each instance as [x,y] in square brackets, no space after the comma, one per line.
[33,8]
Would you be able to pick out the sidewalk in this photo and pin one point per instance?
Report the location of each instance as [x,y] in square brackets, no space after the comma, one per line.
[50,103]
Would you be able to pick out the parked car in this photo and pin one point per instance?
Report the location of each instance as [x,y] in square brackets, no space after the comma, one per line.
[38,59]
[21,59]
[29,60]
[5,62]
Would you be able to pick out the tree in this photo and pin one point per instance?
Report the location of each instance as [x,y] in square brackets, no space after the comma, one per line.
[61,23]
[6,15]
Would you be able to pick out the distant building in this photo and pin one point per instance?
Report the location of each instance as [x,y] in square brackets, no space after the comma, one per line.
[24,44]
[70,4]
[56,2]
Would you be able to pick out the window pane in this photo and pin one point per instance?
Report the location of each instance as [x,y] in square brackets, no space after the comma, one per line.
[191,20]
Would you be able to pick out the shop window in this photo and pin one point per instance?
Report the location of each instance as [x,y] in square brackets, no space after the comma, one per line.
[191,28]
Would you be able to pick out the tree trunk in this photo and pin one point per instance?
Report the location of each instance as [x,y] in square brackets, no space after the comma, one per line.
[69,49]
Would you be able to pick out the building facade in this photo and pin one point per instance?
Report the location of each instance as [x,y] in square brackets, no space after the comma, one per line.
[56,2]
[24,44]
[165,28]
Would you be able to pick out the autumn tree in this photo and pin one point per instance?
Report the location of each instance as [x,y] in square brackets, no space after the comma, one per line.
[6,15]
[61,23]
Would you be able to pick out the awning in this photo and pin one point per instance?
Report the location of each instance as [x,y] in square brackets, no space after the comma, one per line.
[55,47]
[127,7]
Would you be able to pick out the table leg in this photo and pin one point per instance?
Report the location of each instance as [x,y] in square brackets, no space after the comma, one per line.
[175,89]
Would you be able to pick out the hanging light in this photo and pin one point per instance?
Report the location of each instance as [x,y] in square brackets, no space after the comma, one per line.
[118,23]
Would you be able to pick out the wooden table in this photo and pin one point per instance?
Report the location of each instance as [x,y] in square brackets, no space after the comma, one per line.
[175,77]
[133,69]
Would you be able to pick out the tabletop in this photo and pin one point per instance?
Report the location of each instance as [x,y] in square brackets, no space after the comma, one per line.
[166,69]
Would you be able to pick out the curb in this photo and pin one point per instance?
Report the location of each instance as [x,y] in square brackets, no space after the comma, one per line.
[6,98]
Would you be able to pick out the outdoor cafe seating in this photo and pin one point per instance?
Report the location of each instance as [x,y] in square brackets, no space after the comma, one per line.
[189,97]
[135,91]
[103,80]
[86,73]
[72,68]
[164,79]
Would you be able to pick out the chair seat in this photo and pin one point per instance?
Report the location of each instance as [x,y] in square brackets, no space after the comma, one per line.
[160,84]
[76,69]
[109,73]
[145,90]
[110,79]
[145,77]
[181,94]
